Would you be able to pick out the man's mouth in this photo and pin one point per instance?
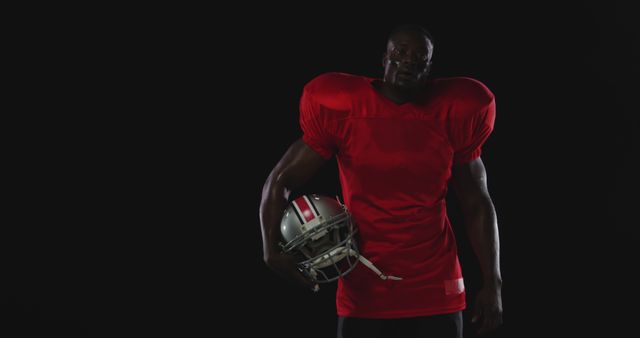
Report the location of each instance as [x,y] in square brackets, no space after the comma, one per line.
[406,74]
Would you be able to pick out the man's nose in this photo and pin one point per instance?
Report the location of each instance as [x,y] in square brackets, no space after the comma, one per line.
[407,62]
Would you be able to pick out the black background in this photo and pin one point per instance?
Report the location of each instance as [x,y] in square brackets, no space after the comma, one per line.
[140,142]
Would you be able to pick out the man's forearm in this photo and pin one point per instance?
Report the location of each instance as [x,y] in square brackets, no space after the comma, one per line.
[295,168]
[482,230]
[272,205]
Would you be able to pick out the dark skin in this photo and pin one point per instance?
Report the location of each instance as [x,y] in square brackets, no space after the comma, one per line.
[407,62]
[295,168]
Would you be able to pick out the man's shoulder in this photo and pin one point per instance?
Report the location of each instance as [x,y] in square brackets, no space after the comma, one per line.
[335,90]
[466,87]
[469,97]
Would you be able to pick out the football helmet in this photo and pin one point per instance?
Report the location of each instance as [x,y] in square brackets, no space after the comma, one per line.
[318,230]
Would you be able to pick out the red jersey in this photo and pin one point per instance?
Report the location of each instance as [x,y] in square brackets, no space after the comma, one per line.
[394,162]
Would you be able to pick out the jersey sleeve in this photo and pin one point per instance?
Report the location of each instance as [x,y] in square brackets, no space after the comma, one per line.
[316,119]
[472,127]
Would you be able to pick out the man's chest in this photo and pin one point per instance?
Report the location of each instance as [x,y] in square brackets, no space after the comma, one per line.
[385,148]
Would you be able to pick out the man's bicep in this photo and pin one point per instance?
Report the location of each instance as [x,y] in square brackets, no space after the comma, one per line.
[298,165]
[469,181]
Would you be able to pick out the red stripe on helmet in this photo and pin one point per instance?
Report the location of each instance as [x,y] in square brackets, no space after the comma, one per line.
[305,209]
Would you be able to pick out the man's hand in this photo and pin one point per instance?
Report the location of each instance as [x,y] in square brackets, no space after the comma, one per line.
[285,266]
[487,312]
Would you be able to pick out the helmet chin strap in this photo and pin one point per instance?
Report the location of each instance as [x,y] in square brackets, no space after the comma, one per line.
[373,268]
[340,253]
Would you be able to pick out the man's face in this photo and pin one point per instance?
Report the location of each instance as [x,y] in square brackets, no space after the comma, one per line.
[407,60]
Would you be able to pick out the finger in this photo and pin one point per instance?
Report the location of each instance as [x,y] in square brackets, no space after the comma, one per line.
[494,319]
[303,281]
[498,319]
[484,327]
[482,331]
[295,278]
[476,316]
[489,324]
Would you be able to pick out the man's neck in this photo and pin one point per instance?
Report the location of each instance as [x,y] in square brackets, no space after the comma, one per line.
[396,94]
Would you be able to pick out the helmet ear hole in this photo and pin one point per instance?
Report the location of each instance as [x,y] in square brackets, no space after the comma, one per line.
[321,245]
[337,234]
[344,232]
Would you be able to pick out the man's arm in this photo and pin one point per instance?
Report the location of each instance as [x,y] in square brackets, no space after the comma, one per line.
[470,184]
[295,168]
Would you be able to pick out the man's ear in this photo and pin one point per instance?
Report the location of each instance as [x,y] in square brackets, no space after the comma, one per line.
[427,69]
[384,59]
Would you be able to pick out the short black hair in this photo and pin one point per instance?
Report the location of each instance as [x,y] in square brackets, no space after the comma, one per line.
[411,28]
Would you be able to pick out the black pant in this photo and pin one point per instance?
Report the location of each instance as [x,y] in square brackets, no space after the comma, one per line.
[438,326]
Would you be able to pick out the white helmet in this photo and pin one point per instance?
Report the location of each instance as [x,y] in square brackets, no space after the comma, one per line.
[318,229]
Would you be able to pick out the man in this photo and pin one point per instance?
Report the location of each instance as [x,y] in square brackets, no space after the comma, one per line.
[398,141]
